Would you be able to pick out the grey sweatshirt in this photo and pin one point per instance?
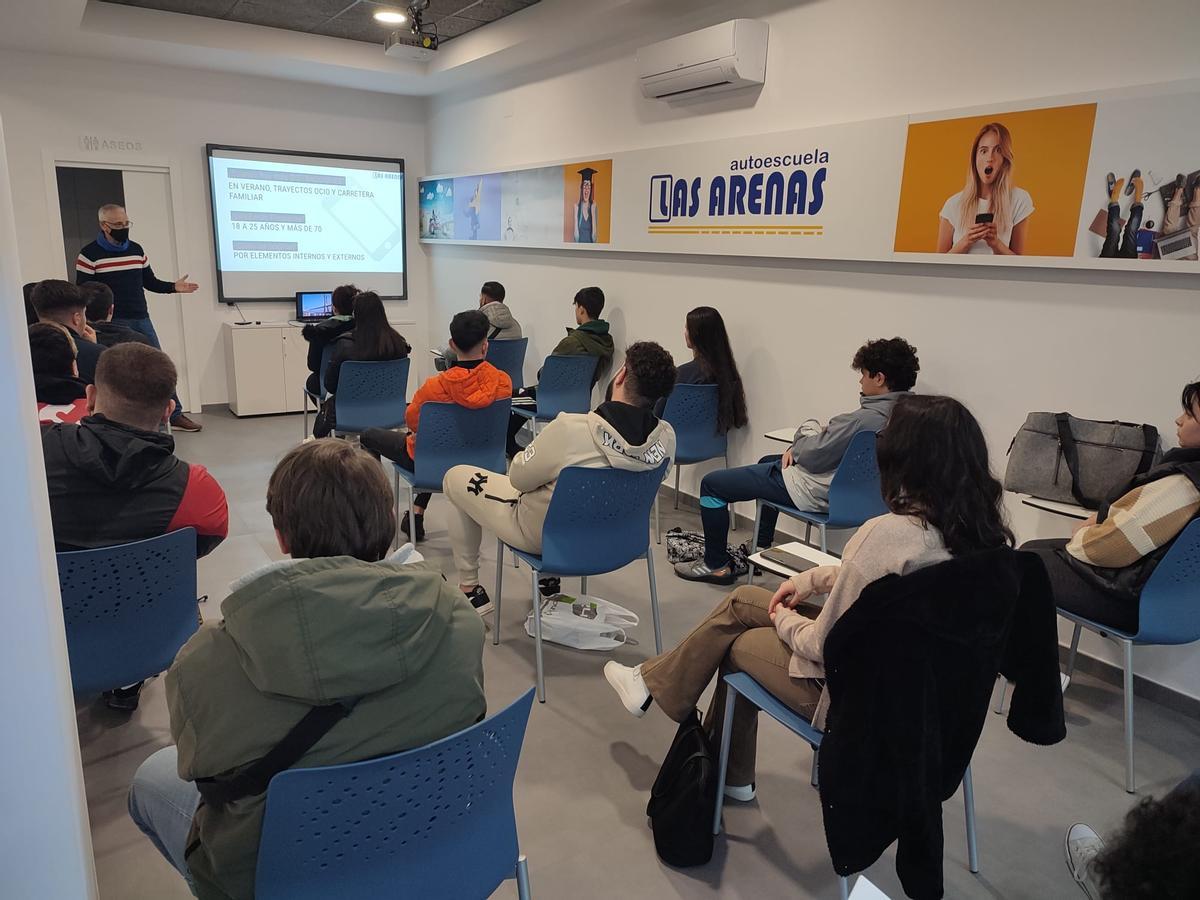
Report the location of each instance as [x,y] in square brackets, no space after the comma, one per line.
[501,317]
[817,451]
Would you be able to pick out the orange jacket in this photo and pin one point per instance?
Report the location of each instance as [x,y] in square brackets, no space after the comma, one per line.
[474,388]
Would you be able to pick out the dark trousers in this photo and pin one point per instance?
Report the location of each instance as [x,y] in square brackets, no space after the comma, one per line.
[146,327]
[516,423]
[719,489]
[1118,244]
[1076,594]
[394,446]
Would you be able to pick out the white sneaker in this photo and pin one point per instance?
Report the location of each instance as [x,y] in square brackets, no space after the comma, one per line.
[743,793]
[1081,845]
[627,682]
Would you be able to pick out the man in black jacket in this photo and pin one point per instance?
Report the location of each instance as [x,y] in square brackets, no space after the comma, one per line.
[320,334]
[60,303]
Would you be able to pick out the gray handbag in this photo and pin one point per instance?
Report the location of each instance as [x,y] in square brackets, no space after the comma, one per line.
[1056,456]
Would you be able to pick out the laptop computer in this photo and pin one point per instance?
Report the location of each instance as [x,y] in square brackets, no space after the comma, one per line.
[313,306]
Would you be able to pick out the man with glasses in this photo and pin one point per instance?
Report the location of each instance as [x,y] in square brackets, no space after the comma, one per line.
[113,259]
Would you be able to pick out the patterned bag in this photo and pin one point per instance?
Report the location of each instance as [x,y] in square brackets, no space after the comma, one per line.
[688,546]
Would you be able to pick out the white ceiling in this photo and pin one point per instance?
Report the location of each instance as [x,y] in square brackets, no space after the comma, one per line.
[516,46]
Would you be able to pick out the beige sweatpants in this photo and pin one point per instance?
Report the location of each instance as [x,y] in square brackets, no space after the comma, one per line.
[483,499]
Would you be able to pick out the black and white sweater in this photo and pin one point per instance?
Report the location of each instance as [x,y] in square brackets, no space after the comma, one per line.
[127,272]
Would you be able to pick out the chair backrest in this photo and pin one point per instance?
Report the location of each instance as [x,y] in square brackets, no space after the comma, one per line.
[1169,609]
[372,394]
[599,519]
[326,355]
[565,385]
[855,494]
[128,609]
[450,435]
[437,821]
[692,411]
[509,356]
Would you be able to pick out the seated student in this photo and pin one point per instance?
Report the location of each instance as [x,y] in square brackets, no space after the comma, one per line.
[887,369]
[31,315]
[471,382]
[712,363]
[61,303]
[943,501]
[514,506]
[61,396]
[502,324]
[1153,856]
[319,334]
[114,478]
[590,338]
[1100,572]
[99,312]
[336,623]
[372,340]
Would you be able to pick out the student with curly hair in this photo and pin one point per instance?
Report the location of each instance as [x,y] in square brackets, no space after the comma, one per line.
[801,476]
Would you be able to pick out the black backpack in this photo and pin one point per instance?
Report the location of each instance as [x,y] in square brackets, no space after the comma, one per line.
[683,799]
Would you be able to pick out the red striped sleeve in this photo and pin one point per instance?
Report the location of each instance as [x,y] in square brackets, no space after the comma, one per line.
[85,265]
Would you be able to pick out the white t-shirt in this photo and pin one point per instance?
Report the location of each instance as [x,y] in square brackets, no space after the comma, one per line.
[1022,207]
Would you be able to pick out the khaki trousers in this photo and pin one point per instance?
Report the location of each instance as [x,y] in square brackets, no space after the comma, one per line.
[737,636]
[482,499]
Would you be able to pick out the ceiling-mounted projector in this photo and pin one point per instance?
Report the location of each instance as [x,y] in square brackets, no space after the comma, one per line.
[406,45]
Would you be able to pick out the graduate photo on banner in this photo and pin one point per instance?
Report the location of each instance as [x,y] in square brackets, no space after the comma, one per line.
[1004,183]
[587,202]
[437,208]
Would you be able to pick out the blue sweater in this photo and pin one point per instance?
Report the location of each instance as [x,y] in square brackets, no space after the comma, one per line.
[126,271]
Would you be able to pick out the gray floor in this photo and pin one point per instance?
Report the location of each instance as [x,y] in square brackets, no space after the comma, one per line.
[587,766]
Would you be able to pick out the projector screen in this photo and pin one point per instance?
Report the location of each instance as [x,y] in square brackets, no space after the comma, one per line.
[286,222]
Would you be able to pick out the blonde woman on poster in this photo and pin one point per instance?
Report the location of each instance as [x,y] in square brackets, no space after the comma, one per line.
[585,209]
[990,214]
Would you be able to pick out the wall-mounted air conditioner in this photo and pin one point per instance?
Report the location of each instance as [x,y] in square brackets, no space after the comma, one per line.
[720,58]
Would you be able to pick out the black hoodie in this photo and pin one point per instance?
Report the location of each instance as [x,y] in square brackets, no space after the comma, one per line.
[111,484]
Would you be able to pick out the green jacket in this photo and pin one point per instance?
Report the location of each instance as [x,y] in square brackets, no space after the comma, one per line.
[589,339]
[306,633]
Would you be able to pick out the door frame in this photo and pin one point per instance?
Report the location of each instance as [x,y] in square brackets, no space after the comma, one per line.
[74,158]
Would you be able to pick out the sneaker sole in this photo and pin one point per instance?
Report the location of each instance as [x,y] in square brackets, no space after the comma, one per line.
[723,580]
[189,430]
[634,709]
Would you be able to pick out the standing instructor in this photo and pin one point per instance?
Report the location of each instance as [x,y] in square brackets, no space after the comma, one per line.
[113,259]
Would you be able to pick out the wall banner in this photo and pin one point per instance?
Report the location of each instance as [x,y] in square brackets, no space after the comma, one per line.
[1092,183]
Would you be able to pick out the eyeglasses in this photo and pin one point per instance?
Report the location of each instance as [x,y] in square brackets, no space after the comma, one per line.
[125,224]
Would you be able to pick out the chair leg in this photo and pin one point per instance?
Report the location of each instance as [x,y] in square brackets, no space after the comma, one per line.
[808,533]
[1074,650]
[583,584]
[537,637]
[412,516]
[657,521]
[1003,692]
[824,540]
[522,878]
[1127,647]
[499,591]
[396,494]
[732,514]
[754,538]
[304,426]
[730,700]
[516,559]
[843,887]
[816,768]
[654,602]
[677,487]
[972,838]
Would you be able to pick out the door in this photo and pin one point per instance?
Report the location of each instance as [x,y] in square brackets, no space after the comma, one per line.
[145,193]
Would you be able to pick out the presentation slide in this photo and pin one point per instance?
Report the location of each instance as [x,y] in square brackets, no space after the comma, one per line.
[289,222]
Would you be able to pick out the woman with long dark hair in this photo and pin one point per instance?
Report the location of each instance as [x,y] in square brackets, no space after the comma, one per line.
[942,500]
[712,363]
[372,340]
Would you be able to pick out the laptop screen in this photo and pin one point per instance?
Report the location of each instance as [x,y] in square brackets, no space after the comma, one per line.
[313,305]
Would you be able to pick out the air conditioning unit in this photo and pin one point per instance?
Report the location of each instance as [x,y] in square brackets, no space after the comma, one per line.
[720,58]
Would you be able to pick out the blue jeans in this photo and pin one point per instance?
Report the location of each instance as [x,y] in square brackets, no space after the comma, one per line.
[146,327]
[719,489]
[162,805]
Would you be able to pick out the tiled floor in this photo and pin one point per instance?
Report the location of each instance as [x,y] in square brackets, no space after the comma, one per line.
[587,765]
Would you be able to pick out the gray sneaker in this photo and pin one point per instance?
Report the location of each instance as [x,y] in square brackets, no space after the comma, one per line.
[1081,845]
[698,571]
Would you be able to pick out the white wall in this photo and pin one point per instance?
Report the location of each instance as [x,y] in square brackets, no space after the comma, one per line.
[1005,342]
[49,102]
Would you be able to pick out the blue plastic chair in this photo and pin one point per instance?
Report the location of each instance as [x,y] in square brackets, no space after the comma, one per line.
[509,357]
[855,495]
[1168,613]
[437,821]
[598,522]
[565,385]
[326,355]
[128,609]
[741,684]
[371,395]
[450,435]
[691,411]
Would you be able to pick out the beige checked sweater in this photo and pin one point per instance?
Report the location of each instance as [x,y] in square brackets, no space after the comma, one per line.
[1148,517]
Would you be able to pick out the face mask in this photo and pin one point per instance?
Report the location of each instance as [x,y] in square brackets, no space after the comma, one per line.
[118,235]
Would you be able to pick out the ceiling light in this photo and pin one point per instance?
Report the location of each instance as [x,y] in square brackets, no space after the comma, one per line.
[391,17]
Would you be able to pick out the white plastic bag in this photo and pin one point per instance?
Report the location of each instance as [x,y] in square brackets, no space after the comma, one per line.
[584,622]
